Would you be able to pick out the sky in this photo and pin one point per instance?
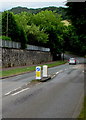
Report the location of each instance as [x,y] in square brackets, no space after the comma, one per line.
[8,4]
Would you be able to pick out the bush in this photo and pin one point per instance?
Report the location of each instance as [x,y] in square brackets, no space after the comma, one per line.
[5,38]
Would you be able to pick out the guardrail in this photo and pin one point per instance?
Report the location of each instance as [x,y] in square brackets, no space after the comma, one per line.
[12,44]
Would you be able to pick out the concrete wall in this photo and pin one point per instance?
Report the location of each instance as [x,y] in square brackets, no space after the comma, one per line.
[18,57]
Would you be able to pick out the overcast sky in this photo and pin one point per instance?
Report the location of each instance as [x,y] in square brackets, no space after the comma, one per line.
[8,4]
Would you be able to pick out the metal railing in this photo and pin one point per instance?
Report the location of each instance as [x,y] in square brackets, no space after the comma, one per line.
[12,44]
[9,44]
[32,47]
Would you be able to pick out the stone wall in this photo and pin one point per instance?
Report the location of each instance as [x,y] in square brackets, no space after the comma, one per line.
[19,57]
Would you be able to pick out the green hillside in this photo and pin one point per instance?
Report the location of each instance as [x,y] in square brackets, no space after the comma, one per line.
[59,10]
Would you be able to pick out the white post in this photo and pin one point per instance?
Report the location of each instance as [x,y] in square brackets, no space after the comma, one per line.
[45,71]
[38,72]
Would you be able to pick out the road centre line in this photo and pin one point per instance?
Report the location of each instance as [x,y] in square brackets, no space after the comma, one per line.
[20,91]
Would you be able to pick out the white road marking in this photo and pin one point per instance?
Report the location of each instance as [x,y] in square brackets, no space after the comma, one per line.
[8,93]
[53,76]
[16,89]
[57,72]
[12,91]
[20,91]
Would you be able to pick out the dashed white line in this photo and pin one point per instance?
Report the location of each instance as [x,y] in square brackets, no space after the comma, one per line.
[20,91]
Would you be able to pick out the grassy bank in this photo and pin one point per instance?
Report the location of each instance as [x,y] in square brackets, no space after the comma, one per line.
[83,112]
[16,71]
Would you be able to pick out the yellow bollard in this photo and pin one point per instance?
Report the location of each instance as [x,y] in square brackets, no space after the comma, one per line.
[38,72]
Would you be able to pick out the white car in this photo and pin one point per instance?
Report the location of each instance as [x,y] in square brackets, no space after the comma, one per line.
[72,61]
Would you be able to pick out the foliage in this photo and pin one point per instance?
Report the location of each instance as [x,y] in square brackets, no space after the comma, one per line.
[77,14]
[59,10]
[51,23]
[32,32]
[0,23]
[35,35]
[43,29]
[11,29]
[5,38]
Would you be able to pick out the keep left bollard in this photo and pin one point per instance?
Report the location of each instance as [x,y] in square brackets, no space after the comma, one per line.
[38,72]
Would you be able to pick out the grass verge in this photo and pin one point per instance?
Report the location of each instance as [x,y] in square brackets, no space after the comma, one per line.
[83,112]
[16,71]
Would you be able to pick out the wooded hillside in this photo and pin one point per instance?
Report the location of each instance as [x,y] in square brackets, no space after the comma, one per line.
[59,10]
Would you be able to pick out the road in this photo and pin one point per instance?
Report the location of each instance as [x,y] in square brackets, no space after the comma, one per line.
[60,97]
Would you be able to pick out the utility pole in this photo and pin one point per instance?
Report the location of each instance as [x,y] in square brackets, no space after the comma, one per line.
[7,25]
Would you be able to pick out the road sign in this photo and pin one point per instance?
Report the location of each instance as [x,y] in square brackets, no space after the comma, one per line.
[38,72]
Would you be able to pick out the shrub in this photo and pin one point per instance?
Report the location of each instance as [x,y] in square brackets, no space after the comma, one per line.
[5,38]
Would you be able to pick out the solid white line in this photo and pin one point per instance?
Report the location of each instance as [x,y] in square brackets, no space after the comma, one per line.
[20,91]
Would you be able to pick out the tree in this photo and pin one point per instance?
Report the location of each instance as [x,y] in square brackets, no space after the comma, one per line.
[51,23]
[0,23]
[77,14]
[36,36]
[32,32]
[11,29]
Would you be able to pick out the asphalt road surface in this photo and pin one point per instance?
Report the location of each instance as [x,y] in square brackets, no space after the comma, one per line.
[60,97]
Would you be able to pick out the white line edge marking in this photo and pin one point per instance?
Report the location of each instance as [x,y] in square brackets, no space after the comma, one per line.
[20,91]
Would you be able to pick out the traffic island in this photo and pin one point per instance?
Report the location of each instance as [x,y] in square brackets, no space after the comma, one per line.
[44,79]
